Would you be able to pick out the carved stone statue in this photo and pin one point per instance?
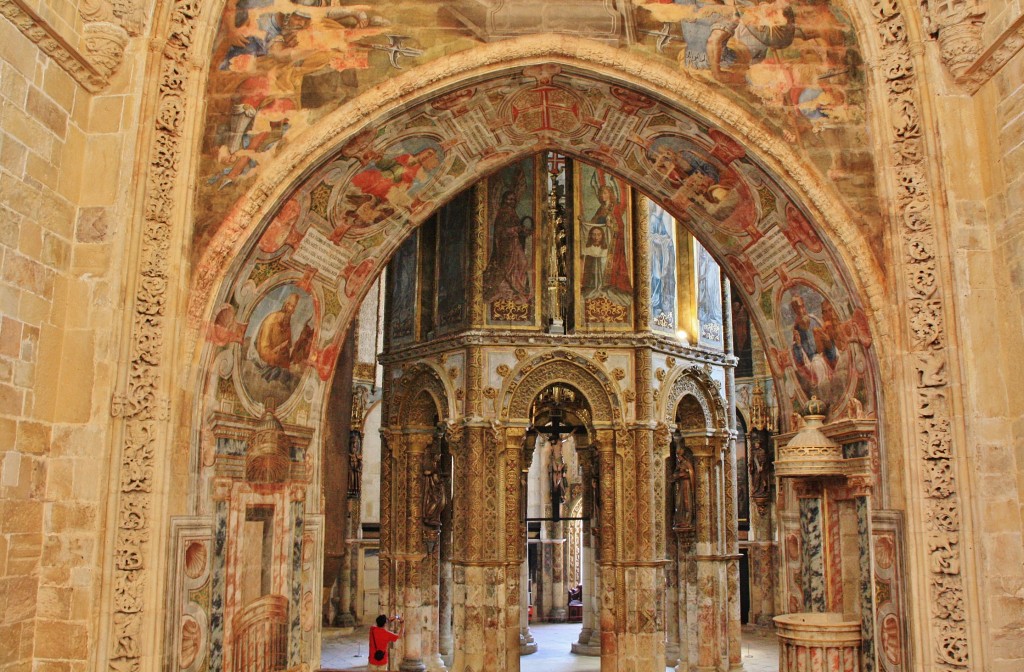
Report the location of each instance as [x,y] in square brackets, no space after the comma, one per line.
[435,494]
[355,463]
[760,469]
[683,494]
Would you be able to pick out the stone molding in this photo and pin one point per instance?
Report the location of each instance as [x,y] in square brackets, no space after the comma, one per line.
[992,60]
[938,498]
[83,68]
[142,407]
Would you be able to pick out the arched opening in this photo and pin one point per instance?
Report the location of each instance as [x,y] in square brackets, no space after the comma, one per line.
[323,238]
[562,488]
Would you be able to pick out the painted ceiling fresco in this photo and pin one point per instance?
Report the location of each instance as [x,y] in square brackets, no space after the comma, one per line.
[279,66]
[282,316]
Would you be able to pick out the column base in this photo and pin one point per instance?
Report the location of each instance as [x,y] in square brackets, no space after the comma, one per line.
[346,620]
[436,664]
[527,644]
[412,665]
[671,655]
[558,615]
[586,649]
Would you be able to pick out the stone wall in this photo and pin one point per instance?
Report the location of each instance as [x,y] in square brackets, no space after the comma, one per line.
[63,194]
[982,140]
[1001,451]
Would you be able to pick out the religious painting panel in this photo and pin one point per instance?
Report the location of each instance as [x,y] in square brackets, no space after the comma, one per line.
[604,261]
[820,359]
[453,259]
[662,236]
[709,298]
[278,67]
[512,246]
[403,291]
[742,341]
[277,343]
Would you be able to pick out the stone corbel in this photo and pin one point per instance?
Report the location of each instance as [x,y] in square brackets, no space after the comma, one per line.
[957,26]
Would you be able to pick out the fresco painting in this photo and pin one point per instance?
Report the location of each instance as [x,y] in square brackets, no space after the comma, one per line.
[820,353]
[709,298]
[332,233]
[402,290]
[605,260]
[661,234]
[510,274]
[277,344]
[708,184]
[452,269]
[792,55]
[281,66]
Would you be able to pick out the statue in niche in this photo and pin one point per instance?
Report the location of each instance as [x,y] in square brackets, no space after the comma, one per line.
[435,494]
[760,469]
[595,504]
[355,463]
[683,492]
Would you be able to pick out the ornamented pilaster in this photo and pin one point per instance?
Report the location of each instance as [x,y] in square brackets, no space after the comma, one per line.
[924,296]
[143,406]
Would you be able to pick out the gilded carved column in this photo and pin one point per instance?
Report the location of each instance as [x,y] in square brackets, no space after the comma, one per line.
[643,263]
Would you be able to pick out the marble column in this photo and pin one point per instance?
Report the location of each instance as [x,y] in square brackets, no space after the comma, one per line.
[527,644]
[729,502]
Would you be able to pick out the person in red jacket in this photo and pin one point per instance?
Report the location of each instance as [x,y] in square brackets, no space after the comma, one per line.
[380,638]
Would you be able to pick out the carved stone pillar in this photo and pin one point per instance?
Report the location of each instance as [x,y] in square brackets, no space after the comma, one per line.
[444,609]
[417,573]
[485,566]
[711,559]
[732,549]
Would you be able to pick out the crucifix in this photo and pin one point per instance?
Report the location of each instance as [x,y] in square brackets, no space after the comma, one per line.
[559,483]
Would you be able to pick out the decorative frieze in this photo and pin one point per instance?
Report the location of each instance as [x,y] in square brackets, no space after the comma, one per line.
[925,305]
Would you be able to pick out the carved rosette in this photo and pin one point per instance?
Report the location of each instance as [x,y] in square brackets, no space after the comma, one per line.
[926,326]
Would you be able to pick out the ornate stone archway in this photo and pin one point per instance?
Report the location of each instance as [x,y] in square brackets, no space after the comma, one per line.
[148,384]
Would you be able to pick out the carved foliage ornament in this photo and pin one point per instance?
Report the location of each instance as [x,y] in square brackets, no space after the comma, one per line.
[142,406]
[926,318]
[565,367]
[696,382]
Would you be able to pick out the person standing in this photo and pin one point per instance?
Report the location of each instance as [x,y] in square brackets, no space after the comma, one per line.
[380,639]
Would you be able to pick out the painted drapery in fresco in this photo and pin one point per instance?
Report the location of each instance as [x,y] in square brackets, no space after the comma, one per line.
[604,259]
[402,288]
[662,236]
[511,239]
[709,298]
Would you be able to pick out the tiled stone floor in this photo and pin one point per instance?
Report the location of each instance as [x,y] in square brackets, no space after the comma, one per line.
[347,651]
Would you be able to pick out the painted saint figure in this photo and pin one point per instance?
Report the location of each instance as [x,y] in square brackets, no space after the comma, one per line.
[815,348]
[606,248]
[507,275]
[273,343]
